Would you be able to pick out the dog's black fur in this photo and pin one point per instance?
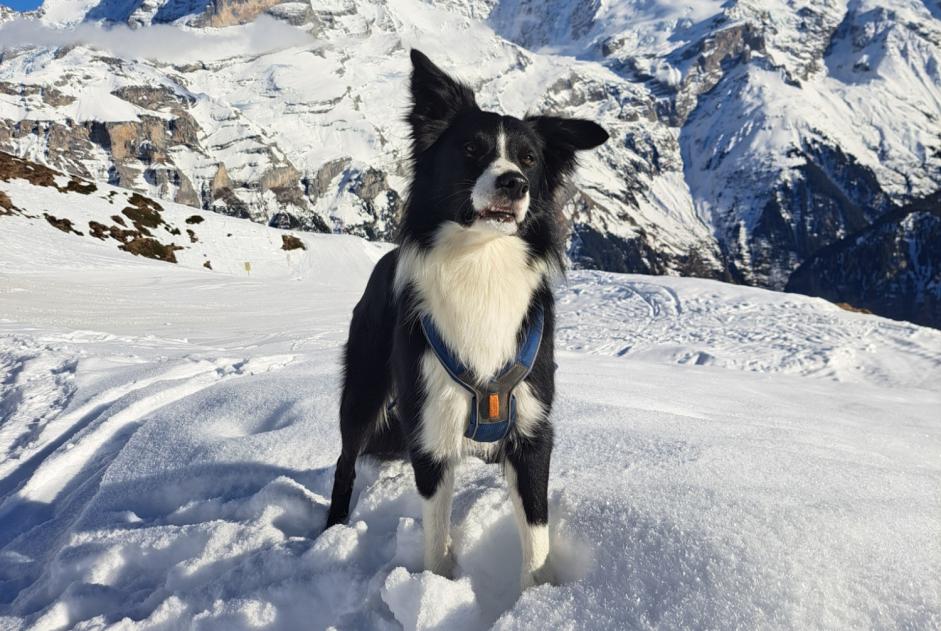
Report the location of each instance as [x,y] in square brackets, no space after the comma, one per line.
[452,145]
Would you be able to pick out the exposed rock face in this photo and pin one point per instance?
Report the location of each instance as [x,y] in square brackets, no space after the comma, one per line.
[12,168]
[231,12]
[809,160]
[828,196]
[296,13]
[891,267]
[212,13]
[6,205]
[36,95]
[141,154]
[290,242]
[709,61]
[142,12]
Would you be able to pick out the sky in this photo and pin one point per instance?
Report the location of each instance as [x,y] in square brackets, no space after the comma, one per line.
[22,5]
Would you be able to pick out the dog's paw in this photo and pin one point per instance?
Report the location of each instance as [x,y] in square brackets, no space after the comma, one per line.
[544,575]
[443,566]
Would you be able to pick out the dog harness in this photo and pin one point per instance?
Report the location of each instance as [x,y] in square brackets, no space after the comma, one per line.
[493,404]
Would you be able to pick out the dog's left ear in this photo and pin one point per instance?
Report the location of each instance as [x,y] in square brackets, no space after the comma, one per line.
[564,136]
[436,100]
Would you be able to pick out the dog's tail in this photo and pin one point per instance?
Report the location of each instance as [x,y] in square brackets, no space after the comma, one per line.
[387,441]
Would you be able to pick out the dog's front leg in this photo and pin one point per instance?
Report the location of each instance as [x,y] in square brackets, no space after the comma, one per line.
[435,481]
[527,476]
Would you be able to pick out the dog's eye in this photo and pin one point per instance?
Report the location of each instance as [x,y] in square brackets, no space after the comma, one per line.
[528,159]
[470,148]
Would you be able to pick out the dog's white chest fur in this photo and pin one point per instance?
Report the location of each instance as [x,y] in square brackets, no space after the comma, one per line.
[477,286]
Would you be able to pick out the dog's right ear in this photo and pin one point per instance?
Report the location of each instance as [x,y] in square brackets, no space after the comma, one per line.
[436,100]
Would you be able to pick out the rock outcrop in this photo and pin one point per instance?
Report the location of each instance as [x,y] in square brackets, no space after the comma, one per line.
[891,267]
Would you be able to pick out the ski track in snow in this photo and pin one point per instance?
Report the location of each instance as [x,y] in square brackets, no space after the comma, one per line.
[726,457]
[614,314]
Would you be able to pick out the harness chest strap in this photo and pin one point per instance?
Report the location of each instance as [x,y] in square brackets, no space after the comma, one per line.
[492,410]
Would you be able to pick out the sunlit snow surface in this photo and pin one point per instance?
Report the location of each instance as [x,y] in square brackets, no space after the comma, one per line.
[726,457]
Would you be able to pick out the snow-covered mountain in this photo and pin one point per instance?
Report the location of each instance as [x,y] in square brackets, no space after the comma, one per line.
[746,134]
[892,266]
[726,456]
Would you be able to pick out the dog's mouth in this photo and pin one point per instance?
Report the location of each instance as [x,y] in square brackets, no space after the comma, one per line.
[501,214]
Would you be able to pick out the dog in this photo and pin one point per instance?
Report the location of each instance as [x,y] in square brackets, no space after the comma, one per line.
[450,349]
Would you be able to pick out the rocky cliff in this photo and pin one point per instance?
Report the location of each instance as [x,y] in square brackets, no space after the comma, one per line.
[891,267]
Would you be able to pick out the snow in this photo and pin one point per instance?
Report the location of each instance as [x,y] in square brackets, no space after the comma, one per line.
[726,456]
[58,12]
[428,601]
[687,321]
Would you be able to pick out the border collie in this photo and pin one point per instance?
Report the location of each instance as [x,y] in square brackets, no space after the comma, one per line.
[479,245]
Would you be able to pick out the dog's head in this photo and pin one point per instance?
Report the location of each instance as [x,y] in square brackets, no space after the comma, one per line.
[482,170]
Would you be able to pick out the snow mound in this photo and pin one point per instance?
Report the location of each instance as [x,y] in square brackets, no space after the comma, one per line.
[441,603]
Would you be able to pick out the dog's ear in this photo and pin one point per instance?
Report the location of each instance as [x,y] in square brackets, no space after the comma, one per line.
[436,100]
[562,137]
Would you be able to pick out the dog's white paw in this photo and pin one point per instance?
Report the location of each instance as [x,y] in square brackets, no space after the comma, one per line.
[444,565]
[540,576]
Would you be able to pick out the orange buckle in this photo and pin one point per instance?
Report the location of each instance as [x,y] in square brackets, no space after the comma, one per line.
[494,406]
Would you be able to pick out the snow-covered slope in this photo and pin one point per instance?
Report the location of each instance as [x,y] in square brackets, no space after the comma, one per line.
[746,134]
[39,199]
[804,156]
[168,437]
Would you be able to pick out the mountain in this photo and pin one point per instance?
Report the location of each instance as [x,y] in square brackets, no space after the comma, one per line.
[746,135]
[892,266]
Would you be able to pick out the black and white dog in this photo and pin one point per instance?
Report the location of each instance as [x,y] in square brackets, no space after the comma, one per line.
[465,296]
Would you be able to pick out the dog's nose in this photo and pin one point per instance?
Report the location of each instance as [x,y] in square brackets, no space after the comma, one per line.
[512,184]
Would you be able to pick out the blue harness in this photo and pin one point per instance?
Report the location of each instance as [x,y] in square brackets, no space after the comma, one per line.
[493,404]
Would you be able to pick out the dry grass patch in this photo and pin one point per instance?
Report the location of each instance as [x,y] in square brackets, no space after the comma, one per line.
[12,168]
[151,248]
[63,224]
[6,205]
[290,242]
[98,230]
[848,307]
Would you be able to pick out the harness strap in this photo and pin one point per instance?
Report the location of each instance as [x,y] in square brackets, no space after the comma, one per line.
[492,410]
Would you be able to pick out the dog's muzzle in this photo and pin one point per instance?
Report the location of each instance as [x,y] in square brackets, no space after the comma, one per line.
[509,199]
